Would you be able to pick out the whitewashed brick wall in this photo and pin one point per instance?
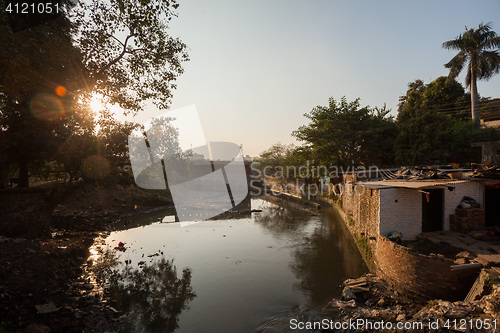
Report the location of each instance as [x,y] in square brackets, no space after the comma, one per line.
[404,216]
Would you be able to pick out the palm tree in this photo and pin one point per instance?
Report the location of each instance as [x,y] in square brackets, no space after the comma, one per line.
[477,47]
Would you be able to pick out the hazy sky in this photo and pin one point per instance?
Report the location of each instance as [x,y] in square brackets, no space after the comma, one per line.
[257,66]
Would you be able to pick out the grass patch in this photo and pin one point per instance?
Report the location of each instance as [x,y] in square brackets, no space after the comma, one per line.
[366,252]
[350,221]
[365,248]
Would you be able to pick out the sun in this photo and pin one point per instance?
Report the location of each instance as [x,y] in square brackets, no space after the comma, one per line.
[96,103]
[100,107]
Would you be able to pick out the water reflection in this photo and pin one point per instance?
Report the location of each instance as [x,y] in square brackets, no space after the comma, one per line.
[328,256]
[152,296]
[325,254]
[244,270]
[283,220]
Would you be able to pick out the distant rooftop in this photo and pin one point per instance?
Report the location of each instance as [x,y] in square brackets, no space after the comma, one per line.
[410,183]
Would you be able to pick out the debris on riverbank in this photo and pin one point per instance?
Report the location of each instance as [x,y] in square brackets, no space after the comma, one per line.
[369,298]
[36,288]
[41,283]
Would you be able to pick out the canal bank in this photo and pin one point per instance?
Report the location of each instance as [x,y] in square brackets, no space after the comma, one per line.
[390,294]
[415,274]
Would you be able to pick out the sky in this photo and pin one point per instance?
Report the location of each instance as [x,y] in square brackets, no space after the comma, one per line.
[256,67]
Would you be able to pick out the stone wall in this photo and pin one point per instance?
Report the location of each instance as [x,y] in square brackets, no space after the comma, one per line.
[419,276]
[490,151]
[348,197]
[365,212]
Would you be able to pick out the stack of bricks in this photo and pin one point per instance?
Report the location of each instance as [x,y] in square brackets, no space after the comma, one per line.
[467,219]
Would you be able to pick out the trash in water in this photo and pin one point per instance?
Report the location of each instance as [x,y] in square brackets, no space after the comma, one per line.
[46,308]
[121,247]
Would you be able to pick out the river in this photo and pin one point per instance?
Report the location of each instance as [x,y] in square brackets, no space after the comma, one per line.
[234,275]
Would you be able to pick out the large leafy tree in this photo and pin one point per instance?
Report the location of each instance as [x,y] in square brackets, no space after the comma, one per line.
[442,95]
[344,134]
[119,49]
[478,49]
[433,126]
[34,114]
[424,131]
[127,52]
[423,136]
[275,157]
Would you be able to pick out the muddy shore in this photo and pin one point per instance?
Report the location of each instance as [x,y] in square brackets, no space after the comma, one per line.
[42,283]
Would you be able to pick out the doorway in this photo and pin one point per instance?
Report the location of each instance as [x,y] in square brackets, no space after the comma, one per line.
[432,210]
[492,206]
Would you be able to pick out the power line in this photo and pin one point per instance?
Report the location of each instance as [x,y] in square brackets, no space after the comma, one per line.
[466,103]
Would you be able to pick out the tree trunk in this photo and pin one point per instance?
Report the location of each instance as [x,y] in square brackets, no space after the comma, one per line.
[474,96]
[24,181]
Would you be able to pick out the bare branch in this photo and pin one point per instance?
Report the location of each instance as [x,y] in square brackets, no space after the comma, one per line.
[135,50]
[114,61]
[119,41]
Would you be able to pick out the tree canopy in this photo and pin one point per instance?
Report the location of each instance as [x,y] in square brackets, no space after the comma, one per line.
[433,124]
[478,50]
[345,134]
[51,69]
[34,115]
[127,52]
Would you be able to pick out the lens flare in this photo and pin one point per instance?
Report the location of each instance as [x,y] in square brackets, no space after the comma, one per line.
[61,91]
[46,107]
[96,167]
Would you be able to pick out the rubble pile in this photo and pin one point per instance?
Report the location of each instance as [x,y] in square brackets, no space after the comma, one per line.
[463,258]
[483,171]
[370,298]
[422,173]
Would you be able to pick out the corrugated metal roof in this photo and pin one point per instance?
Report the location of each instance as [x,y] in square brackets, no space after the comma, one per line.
[373,186]
[411,184]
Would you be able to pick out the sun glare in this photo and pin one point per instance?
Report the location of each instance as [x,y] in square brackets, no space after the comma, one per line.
[96,103]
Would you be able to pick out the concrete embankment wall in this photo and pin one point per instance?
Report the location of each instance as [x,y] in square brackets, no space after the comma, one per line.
[419,276]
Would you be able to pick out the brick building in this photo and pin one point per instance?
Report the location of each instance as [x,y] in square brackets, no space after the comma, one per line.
[409,207]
